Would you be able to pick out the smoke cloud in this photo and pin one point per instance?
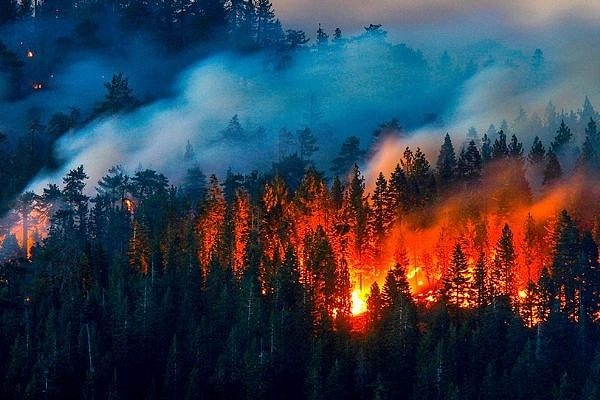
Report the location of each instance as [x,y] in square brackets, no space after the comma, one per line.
[341,91]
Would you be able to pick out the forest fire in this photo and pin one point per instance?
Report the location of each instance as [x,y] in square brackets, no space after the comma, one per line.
[359,304]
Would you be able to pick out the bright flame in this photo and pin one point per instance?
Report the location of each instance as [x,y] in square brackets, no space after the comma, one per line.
[29,54]
[359,305]
[129,205]
[522,294]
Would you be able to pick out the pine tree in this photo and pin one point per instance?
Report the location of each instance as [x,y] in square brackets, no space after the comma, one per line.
[374,306]
[500,148]
[562,138]
[470,163]
[504,265]
[565,263]
[446,162]
[480,289]
[380,219]
[486,147]
[118,97]
[515,148]
[537,153]
[396,288]
[356,203]
[268,30]
[457,280]
[589,159]
[397,193]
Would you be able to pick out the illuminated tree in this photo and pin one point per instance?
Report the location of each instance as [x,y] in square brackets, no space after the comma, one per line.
[211,222]
[566,263]
[276,225]
[28,207]
[546,295]
[356,203]
[242,225]
[503,273]
[396,288]
[380,215]
[588,279]
[457,280]
[480,287]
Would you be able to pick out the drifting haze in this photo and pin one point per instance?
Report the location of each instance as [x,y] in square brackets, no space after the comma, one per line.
[350,89]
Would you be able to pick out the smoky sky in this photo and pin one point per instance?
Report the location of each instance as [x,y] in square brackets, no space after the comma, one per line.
[350,89]
[352,14]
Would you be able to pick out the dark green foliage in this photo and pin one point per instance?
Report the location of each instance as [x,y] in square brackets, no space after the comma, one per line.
[87,319]
[446,162]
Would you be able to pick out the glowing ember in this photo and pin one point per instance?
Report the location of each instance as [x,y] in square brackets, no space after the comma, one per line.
[522,294]
[359,305]
[29,54]
[129,205]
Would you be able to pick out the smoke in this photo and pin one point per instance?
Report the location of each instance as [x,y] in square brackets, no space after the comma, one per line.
[339,91]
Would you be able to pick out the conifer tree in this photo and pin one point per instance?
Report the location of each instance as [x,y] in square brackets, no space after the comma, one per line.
[446,162]
[537,153]
[457,280]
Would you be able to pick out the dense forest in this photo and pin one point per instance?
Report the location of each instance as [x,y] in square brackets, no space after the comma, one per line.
[457,267]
